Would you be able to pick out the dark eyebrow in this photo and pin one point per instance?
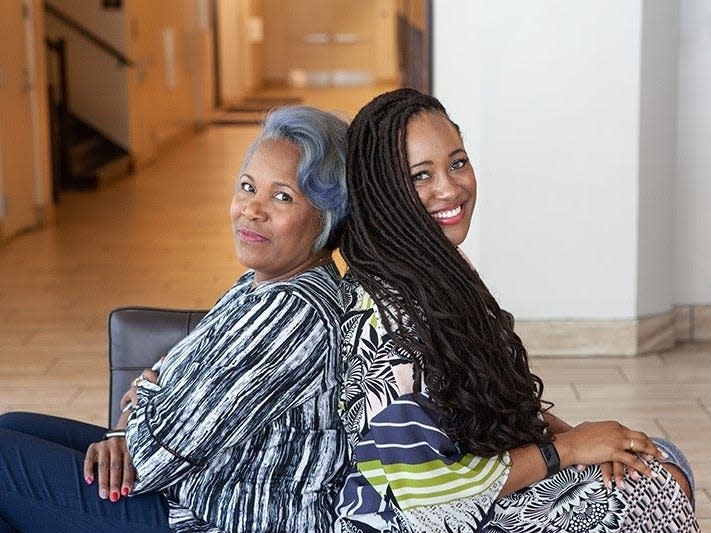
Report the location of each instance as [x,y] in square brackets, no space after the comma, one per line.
[428,162]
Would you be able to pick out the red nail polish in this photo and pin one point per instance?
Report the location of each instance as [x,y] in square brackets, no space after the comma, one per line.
[114,496]
[125,491]
[89,480]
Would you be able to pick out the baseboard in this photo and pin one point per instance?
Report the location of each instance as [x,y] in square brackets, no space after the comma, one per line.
[168,136]
[584,338]
[692,323]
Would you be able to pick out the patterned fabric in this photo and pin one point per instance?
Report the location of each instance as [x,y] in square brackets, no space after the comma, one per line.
[407,475]
[241,431]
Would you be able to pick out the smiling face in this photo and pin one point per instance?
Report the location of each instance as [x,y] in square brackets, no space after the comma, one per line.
[273,223]
[442,173]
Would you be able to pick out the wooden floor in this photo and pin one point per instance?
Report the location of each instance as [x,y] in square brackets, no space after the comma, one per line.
[162,238]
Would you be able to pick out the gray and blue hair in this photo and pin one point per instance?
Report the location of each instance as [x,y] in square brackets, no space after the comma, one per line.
[321,175]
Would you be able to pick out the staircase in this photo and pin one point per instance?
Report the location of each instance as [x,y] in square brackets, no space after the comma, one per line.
[82,157]
[92,159]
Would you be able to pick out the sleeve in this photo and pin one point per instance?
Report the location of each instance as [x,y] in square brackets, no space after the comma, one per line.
[273,360]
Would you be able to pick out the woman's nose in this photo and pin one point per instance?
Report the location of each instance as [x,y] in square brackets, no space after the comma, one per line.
[445,187]
[254,209]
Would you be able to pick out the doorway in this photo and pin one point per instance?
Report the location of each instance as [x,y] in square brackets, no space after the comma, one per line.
[267,45]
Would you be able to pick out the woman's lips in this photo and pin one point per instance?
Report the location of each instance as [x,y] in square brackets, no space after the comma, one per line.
[249,236]
[448,217]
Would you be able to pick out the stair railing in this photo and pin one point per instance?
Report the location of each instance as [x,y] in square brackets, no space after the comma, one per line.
[89,35]
[58,118]
[59,99]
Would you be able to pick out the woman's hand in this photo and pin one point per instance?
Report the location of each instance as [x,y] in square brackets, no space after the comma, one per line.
[609,444]
[131,395]
[114,468]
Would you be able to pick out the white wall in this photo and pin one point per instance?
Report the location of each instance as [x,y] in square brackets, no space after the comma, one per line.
[692,235]
[657,156]
[547,94]
[97,83]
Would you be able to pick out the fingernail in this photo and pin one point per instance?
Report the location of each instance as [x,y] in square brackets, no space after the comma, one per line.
[103,494]
[635,474]
[125,491]
[665,455]
[608,484]
[89,480]
[580,468]
[114,496]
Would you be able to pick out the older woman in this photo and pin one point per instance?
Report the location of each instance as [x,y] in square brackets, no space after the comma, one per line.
[238,430]
[448,428]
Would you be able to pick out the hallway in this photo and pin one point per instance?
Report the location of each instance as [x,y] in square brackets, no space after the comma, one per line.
[162,238]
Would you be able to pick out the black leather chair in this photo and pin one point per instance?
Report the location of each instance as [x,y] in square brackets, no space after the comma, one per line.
[138,337]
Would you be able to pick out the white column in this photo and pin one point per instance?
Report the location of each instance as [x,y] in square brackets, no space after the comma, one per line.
[568,110]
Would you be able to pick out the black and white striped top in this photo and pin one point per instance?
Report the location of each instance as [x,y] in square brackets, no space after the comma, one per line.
[241,433]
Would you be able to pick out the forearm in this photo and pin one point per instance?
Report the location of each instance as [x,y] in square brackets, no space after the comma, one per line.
[555,424]
[527,468]
[123,419]
[527,464]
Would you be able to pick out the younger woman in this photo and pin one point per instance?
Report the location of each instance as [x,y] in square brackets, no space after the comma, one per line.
[446,422]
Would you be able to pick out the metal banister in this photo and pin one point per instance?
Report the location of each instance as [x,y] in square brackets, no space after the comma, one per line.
[89,35]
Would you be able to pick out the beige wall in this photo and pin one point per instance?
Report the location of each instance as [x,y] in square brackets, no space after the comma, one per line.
[415,11]
[25,179]
[241,48]
[165,38]
[327,36]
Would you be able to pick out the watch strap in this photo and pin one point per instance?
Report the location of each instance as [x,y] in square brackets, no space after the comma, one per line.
[551,458]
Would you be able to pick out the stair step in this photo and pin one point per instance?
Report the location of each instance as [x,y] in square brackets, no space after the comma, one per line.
[93,159]
[86,146]
[115,169]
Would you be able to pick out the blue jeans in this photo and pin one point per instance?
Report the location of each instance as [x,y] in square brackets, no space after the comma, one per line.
[677,458]
[42,485]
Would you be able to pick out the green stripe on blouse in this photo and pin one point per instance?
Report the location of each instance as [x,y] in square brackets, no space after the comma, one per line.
[435,481]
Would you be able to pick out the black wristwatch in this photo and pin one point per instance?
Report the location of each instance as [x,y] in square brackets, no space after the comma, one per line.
[551,458]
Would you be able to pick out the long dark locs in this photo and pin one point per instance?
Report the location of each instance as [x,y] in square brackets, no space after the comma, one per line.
[476,367]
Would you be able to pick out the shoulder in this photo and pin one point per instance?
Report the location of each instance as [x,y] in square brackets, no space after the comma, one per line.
[352,296]
[360,314]
[316,288]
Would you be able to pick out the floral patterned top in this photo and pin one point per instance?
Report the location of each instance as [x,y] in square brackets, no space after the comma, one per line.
[407,475]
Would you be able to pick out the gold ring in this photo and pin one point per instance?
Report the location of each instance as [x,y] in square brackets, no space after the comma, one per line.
[631,444]
[136,381]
